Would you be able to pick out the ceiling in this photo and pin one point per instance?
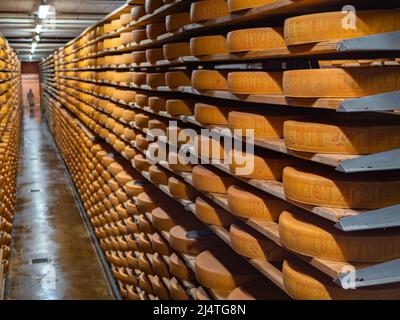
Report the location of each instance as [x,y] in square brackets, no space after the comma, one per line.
[18,19]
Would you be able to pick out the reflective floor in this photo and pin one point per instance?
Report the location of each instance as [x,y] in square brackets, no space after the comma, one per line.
[52,255]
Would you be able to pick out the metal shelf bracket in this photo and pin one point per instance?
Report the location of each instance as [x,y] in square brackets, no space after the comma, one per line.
[389,41]
[388,160]
[375,219]
[383,273]
[381,102]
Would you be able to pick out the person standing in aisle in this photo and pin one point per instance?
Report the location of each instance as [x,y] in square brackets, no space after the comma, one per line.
[31,99]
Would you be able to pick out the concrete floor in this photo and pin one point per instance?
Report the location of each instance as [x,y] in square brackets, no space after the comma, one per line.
[52,255]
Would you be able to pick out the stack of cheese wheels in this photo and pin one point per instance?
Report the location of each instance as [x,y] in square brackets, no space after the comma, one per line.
[255,82]
[211,214]
[341,82]
[208,114]
[246,202]
[222,270]
[249,243]
[176,50]
[256,39]
[210,80]
[328,26]
[319,186]
[342,137]
[208,179]
[303,282]
[315,237]
[208,9]
[208,45]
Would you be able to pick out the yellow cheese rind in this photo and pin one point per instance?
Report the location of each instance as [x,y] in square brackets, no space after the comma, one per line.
[341,82]
[180,189]
[303,283]
[174,79]
[248,203]
[211,214]
[209,114]
[155,54]
[158,176]
[180,241]
[209,148]
[208,9]
[178,162]
[179,107]
[313,237]
[153,30]
[155,79]
[207,45]
[312,185]
[209,80]
[177,20]
[328,26]
[176,50]
[207,180]
[255,82]
[255,39]
[341,137]
[156,104]
[239,5]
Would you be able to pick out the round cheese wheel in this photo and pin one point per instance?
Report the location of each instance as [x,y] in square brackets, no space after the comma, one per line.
[129,152]
[264,165]
[141,142]
[317,186]
[142,100]
[137,11]
[153,30]
[141,163]
[142,120]
[221,269]
[311,236]
[179,107]
[209,213]
[330,25]
[341,82]
[176,50]
[159,288]
[178,162]
[177,291]
[149,200]
[126,37]
[255,82]
[156,104]
[193,244]
[210,114]
[139,78]
[255,39]
[129,134]
[302,282]
[341,137]
[159,244]
[249,243]
[174,79]
[259,289]
[151,5]
[262,126]
[125,18]
[158,176]
[209,148]
[179,268]
[176,21]
[138,35]
[155,54]
[157,124]
[208,9]
[128,115]
[248,203]
[205,45]
[164,220]
[180,189]
[210,180]
[155,79]
[209,80]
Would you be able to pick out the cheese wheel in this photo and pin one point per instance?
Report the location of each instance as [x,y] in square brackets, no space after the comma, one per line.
[209,80]
[179,107]
[194,244]
[258,290]
[249,203]
[138,57]
[138,35]
[165,220]
[129,134]
[205,45]
[156,104]
[142,100]
[209,114]
[155,54]
[249,243]
[158,176]
[129,152]
[141,163]
[159,245]
[208,9]
[148,201]
[155,79]
[337,25]
[179,163]
[128,115]
[302,282]
[126,38]
[238,5]
[208,179]
[176,21]
[341,83]
[125,95]
[157,124]
[210,148]
[255,39]
[316,186]
[180,189]
[255,82]
[141,142]
[177,291]
[159,288]
[151,5]
[179,268]
[209,213]
[262,126]
[221,269]
[125,18]
[341,137]
[174,79]
[139,78]
[265,165]
[153,30]
[314,237]
[142,120]
[176,50]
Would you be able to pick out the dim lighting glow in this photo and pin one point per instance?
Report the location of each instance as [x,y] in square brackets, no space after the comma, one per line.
[43,11]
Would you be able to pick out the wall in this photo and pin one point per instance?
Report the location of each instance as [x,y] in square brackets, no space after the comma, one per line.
[30,80]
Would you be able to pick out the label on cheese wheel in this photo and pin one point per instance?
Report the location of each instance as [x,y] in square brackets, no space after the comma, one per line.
[314,237]
[208,9]
[341,83]
[255,39]
[339,25]
[208,45]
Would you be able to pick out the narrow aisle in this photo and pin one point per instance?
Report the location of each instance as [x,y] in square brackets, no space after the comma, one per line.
[50,240]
